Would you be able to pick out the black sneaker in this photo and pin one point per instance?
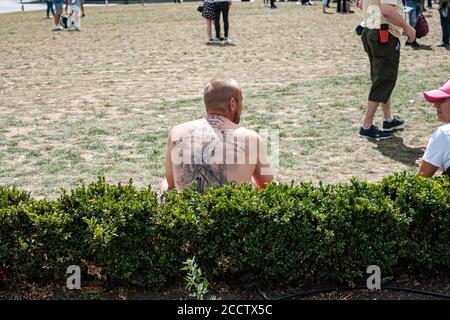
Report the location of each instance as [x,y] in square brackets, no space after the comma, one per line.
[395,124]
[374,133]
[415,45]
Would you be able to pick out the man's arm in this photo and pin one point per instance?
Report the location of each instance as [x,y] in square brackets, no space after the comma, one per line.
[263,173]
[394,17]
[426,169]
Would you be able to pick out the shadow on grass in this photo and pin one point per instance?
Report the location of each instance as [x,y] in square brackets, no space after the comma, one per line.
[396,150]
[425,47]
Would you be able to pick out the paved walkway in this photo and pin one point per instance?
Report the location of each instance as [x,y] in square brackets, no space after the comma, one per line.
[15,6]
[29,5]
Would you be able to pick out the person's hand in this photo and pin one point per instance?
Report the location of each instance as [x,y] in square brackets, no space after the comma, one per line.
[419,161]
[411,33]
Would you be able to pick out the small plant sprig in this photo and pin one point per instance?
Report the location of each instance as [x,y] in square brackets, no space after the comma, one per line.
[197,284]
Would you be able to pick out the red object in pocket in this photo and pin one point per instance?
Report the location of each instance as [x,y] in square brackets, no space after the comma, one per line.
[384,33]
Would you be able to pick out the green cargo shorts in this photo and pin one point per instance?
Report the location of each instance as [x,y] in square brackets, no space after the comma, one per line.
[384,62]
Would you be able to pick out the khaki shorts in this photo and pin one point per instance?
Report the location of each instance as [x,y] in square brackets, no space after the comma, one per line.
[384,61]
[59,9]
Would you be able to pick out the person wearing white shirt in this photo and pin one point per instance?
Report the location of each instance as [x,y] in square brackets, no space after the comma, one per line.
[437,154]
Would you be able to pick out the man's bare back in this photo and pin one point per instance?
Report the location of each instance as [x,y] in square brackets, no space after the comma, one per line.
[214,150]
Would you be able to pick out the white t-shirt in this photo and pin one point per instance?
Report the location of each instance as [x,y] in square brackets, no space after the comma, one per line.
[438,148]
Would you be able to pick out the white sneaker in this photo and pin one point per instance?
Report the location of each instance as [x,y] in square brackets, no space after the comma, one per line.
[216,41]
[71,27]
[57,28]
[227,41]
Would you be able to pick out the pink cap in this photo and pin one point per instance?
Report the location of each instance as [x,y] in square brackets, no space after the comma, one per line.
[439,94]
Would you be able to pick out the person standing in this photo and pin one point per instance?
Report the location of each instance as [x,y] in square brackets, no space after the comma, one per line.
[58,10]
[221,7]
[341,6]
[50,8]
[444,12]
[209,14]
[75,8]
[413,15]
[383,21]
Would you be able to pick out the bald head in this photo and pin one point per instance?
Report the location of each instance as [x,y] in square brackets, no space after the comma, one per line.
[218,93]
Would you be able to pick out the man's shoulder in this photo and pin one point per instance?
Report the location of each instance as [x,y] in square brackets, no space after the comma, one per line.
[244,132]
[189,125]
[444,130]
[185,127]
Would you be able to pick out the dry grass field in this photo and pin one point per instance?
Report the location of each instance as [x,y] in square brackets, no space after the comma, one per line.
[76,105]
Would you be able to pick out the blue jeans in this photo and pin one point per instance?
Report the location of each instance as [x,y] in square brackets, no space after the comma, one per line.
[414,13]
[445,24]
[50,8]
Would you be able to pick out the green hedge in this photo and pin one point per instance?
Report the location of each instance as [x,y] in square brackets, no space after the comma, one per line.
[286,232]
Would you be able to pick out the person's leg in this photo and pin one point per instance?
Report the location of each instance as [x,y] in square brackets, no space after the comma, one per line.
[387,110]
[344,6]
[48,9]
[58,14]
[338,8]
[82,8]
[217,19]
[225,11]
[76,19]
[413,15]
[324,5]
[209,28]
[372,107]
[445,24]
[389,65]
[384,70]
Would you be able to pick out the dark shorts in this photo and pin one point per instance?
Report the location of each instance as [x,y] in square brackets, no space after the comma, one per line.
[59,9]
[384,62]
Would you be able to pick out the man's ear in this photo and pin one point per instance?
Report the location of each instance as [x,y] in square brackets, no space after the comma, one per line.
[232,104]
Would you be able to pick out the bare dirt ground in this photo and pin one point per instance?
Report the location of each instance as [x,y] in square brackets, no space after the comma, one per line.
[75,105]
[91,290]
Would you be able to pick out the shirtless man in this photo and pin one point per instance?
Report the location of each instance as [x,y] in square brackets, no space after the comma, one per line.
[214,150]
